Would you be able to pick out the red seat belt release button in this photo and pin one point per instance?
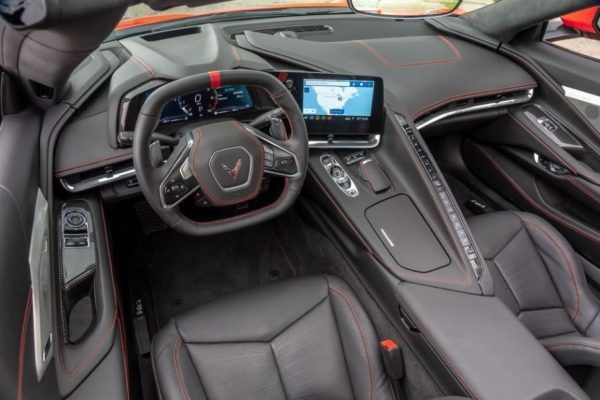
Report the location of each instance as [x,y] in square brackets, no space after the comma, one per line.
[392,359]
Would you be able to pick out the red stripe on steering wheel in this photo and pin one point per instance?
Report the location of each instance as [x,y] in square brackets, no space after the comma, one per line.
[215,79]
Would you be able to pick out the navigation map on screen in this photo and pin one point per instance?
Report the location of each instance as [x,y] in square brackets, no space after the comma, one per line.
[338,98]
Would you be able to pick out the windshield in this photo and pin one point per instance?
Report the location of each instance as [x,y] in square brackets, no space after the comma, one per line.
[141,14]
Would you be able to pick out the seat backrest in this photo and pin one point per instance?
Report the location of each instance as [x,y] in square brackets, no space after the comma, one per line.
[537,274]
[298,339]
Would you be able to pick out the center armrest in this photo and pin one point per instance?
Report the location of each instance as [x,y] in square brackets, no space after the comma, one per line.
[484,345]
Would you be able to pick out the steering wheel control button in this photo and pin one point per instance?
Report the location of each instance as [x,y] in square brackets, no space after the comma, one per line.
[185,171]
[339,176]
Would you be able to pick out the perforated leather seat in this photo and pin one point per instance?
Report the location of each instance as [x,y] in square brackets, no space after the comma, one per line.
[540,278]
[305,338]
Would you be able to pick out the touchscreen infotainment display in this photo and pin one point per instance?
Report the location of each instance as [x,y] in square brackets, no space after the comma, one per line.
[334,104]
[349,99]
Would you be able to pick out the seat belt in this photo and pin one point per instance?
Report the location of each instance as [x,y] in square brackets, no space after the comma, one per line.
[393,362]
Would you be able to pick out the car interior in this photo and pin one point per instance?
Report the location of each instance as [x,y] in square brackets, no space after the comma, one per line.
[348,201]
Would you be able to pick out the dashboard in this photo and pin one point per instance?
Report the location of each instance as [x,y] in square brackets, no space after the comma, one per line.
[426,76]
[332,105]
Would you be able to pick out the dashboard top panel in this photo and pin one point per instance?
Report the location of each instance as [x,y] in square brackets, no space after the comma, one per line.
[421,70]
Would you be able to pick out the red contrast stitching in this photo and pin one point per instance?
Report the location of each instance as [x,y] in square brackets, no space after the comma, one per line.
[124,354]
[22,345]
[237,217]
[364,342]
[93,163]
[456,58]
[439,352]
[178,372]
[563,255]
[572,345]
[110,329]
[584,189]
[372,253]
[236,56]
[467,95]
[530,200]
[526,129]
[202,183]
[144,66]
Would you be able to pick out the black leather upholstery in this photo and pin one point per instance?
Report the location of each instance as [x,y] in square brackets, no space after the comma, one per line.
[539,277]
[305,338]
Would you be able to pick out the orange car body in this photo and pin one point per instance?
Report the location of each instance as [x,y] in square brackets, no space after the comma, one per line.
[584,20]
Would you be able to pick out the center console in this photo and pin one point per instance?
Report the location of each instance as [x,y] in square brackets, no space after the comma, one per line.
[392,210]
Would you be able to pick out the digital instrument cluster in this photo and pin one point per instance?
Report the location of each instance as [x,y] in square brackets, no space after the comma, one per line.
[204,103]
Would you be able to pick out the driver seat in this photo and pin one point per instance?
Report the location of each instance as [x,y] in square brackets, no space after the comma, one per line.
[304,338]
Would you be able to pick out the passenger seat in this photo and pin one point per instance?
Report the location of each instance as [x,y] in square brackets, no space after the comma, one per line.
[539,277]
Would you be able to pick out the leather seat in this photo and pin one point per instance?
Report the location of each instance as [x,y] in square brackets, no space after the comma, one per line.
[304,338]
[540,278]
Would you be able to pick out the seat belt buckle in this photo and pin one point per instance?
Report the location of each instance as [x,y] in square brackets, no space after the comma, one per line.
[393,360]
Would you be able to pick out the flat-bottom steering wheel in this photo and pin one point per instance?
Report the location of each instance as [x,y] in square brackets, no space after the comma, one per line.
[226,160]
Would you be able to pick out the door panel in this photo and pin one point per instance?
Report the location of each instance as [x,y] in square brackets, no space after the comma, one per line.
[19,142]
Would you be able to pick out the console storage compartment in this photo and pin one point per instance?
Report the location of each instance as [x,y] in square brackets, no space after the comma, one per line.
[409,239]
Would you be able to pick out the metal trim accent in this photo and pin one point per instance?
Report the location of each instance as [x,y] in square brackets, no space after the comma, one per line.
[41,288]
[489,105]
[551,134]
[92,183]
[352,191]
[370,143]
[178,164]
[273,142]
[582,96]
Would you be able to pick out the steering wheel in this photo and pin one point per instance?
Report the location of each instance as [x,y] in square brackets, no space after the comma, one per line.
[226,159]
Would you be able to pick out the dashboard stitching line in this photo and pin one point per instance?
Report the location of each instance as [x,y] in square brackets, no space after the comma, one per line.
[457,55]
[463,96]
[93,163]
[144,66]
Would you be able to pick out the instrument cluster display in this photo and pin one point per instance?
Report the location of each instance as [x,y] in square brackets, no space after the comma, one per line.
[204,103]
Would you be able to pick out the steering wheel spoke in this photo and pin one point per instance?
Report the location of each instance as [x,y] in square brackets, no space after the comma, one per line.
[279,159]
[177,181]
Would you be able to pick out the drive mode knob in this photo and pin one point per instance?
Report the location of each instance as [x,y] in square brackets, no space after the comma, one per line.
[75,219]
[338,174]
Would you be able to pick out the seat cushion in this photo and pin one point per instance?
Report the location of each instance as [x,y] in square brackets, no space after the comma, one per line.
[539,277]
[297,339]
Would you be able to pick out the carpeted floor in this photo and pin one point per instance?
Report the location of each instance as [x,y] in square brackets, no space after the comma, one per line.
[189,271]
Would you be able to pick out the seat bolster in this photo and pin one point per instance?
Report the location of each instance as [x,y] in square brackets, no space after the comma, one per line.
[174,372]
[565,269]
[254,315]
[360,343]
[574,349]
[494,231]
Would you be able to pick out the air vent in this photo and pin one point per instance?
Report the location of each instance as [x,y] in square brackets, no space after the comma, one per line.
[297,29]
[173,33]
[42,91]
